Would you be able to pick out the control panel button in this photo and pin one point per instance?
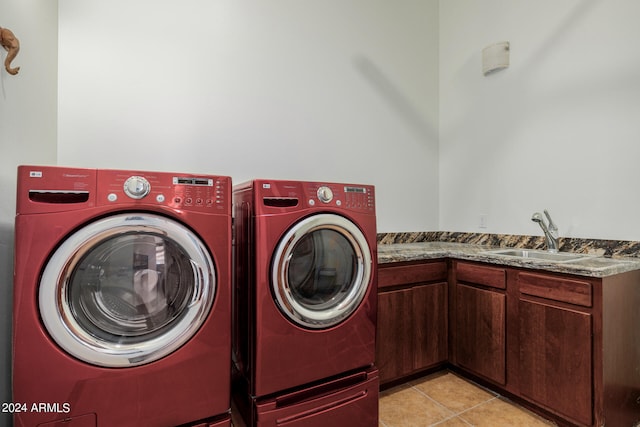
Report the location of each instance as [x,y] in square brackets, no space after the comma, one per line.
[136,187]
[325,194]
[112,197]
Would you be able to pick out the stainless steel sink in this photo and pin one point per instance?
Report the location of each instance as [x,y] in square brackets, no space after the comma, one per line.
[540,255]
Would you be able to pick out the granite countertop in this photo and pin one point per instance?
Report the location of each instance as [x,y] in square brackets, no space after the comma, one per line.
[590,265]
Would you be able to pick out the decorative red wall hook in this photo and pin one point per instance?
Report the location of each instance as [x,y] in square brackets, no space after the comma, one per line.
[12,46]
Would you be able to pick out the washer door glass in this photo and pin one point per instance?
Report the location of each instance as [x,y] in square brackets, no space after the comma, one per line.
[321,271]
[127,290]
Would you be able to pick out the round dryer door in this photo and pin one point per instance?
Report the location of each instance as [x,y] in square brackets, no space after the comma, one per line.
[127,290]
[321,271]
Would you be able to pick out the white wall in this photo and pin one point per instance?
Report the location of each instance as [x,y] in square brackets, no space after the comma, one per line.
[27,134]
[282,89]
[558,129]
[311,90]
[339,90]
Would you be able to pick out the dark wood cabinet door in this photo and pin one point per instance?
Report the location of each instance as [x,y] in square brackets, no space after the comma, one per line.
[394,352]
[556,358]
[429,303]
[480,332]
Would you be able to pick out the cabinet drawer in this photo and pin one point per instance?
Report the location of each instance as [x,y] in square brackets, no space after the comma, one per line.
[414,273]
[494,277]
[556,288]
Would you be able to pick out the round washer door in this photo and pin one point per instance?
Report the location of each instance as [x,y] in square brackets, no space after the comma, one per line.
[127,290]
[321,271]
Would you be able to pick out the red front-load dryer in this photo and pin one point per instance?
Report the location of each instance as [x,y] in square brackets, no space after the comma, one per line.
[122,301]
[305,288]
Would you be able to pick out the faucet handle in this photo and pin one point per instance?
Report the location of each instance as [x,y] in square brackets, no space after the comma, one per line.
[552,225]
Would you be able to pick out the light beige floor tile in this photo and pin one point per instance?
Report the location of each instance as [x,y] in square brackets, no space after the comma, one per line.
[453,392]
[394,390]
[499,413]
[408,407]
[453,422]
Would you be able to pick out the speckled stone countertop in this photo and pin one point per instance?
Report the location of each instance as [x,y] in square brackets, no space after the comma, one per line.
[590,265]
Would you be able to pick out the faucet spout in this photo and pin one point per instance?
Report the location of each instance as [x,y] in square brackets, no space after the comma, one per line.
[550,231]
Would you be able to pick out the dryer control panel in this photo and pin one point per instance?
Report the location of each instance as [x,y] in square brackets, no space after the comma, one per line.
[295,194]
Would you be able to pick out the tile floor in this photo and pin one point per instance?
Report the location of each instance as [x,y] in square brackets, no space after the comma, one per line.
[444,399]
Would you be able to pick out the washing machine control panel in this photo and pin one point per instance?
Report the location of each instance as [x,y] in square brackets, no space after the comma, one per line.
[351,197]
[188,192]
[360,197]
[197,192]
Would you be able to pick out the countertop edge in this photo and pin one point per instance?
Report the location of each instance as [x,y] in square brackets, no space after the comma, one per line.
[590,266]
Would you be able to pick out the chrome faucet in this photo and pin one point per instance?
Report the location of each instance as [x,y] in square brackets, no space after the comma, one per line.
[550,231]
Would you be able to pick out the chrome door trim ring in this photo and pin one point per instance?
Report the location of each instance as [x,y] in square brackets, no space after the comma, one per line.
[319,319]
[57,315]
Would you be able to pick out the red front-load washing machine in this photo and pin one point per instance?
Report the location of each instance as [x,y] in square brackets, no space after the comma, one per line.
[122,302]
[305,287]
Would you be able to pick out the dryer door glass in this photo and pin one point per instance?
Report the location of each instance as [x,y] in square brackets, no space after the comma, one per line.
[127,290]
[321,271]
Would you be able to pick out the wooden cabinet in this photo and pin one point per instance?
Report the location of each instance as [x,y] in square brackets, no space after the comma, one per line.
[547,358]
[480,319]
[429,308]
[564,344]
[394,341]
[555,347]
[412,318]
